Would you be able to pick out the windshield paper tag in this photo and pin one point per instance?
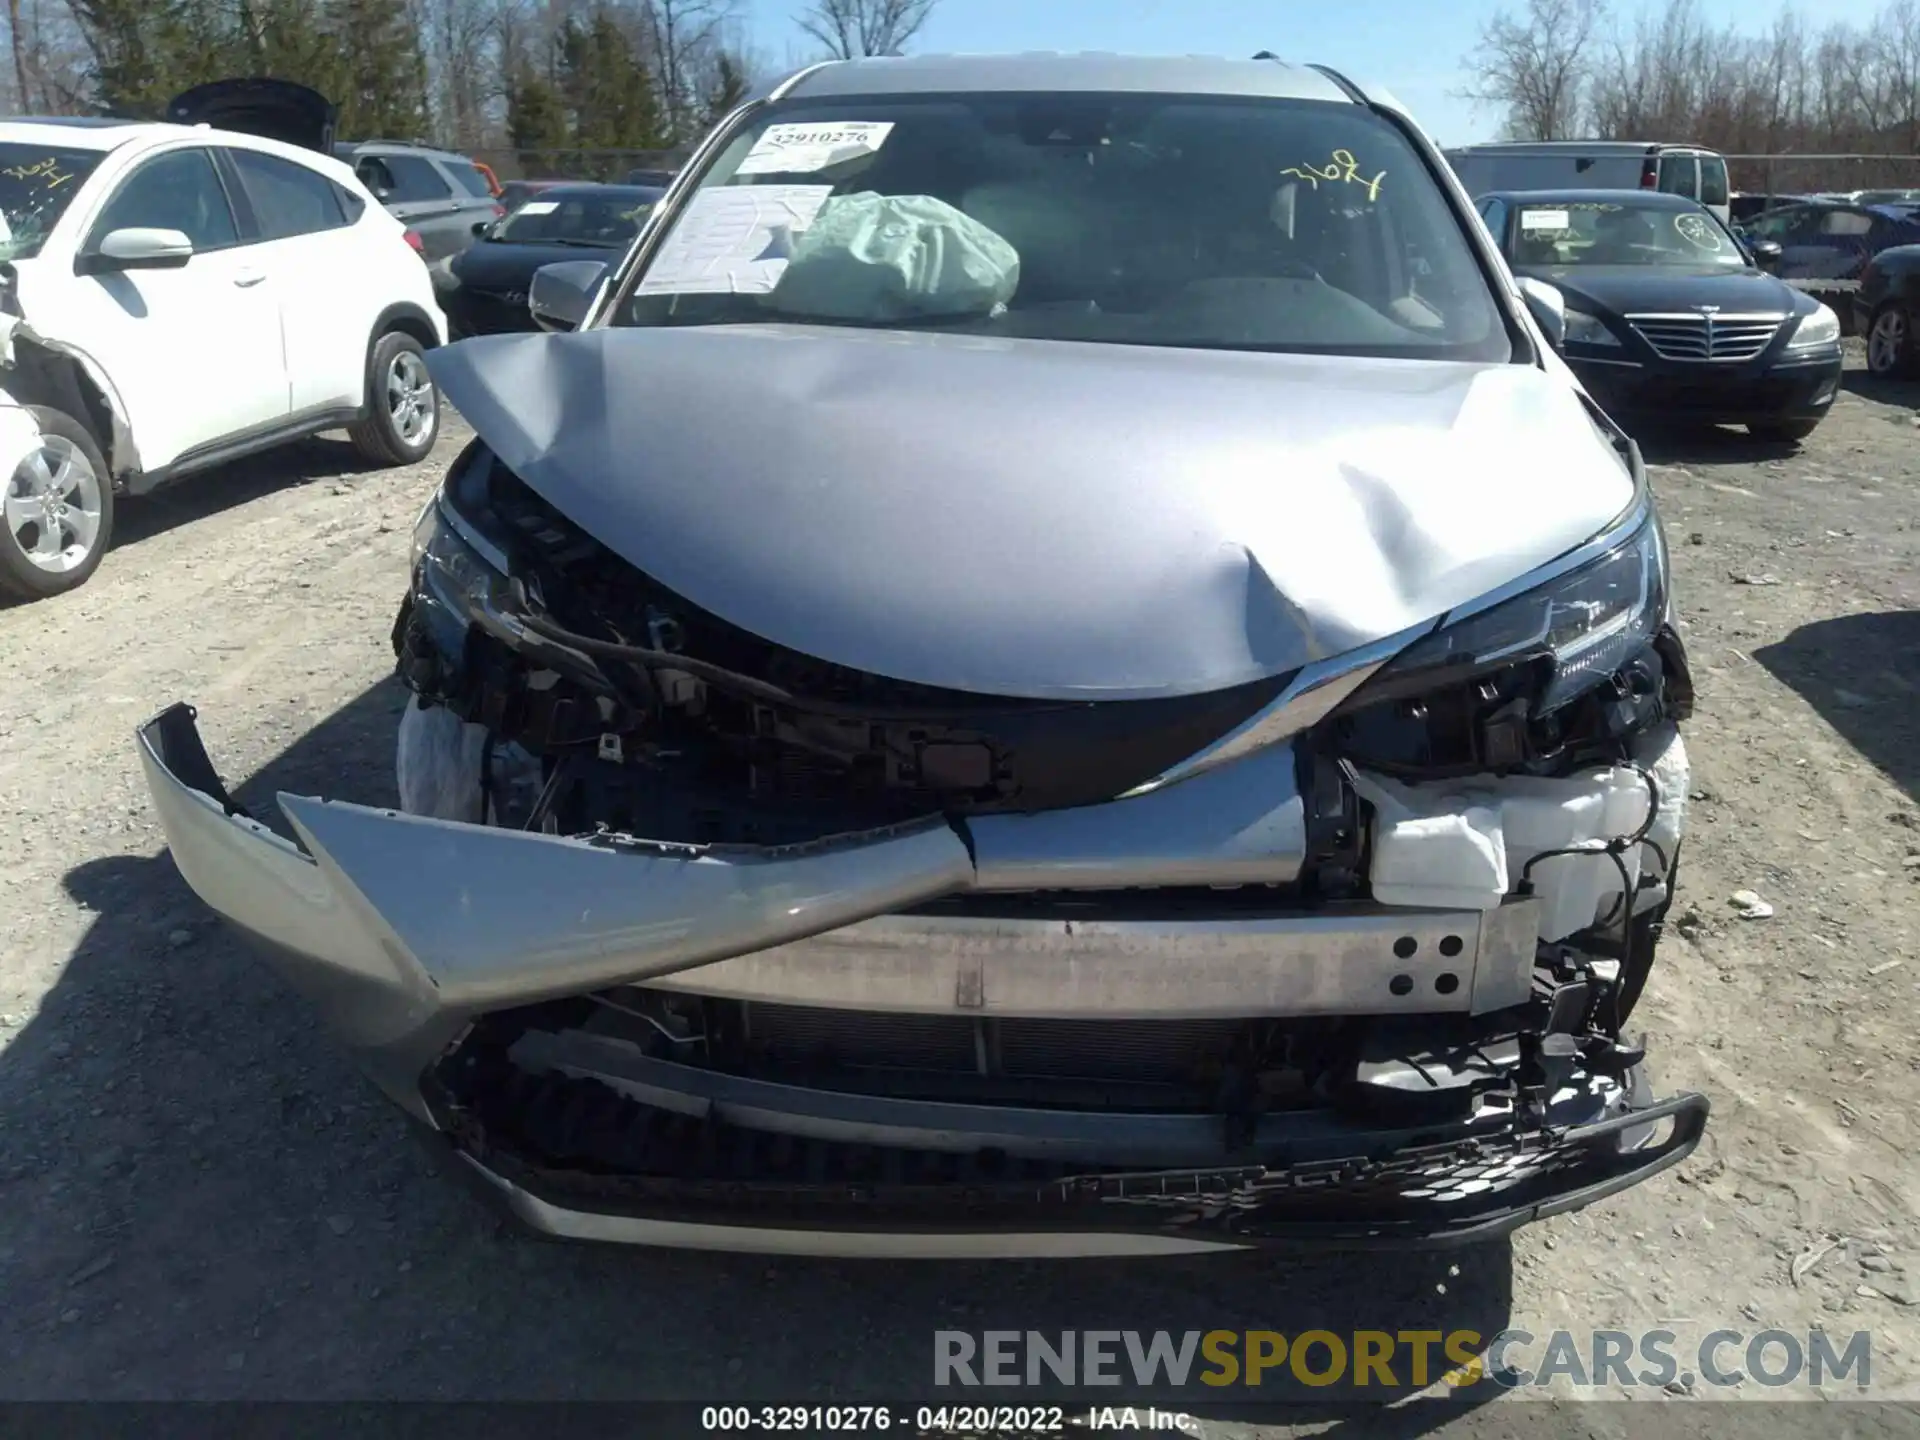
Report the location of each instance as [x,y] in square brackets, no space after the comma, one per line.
[538,207]
[1543,220]
[803,149]
[733,240]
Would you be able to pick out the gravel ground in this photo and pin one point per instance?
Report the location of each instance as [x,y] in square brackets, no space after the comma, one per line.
[201,1200]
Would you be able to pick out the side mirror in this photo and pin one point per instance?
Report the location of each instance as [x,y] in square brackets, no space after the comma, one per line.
[480,227]
[1766,253]
[138,247]
[562,293]
[1548,308]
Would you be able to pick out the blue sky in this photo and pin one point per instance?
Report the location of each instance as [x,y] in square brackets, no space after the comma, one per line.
[1412,48]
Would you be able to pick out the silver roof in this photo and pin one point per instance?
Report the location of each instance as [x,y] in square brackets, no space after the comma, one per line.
[1053,71]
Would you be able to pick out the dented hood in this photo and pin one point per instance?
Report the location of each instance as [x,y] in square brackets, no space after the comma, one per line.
[1043,518]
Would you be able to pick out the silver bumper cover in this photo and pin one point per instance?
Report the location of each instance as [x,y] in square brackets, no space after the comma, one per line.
[400,929]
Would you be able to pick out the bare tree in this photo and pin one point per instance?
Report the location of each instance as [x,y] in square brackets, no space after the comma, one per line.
[1534,65]
[849,28]
[683,35]
[17,34]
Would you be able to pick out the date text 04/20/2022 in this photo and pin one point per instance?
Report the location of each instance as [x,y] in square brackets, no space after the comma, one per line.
[941,1419]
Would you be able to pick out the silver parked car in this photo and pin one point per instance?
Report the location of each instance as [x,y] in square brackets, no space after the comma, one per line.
[1056,666]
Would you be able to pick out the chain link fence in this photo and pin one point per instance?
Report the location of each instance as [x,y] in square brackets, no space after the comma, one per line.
[602,165]
[1811,174]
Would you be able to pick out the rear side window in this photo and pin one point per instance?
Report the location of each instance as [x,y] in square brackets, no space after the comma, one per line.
[288,198]
[415,178]
[1678,176]
[1713,180]
[177,191]
[1845,222]
[470,179]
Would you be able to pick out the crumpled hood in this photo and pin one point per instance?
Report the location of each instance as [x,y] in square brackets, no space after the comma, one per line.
[1042,518]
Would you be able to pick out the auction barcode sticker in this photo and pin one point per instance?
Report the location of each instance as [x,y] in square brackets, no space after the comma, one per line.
[803,149]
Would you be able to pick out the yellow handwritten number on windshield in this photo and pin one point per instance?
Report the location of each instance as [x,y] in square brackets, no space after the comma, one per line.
[1344,170]
[47,170]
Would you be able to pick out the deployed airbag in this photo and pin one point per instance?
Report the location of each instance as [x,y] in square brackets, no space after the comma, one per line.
[880,257]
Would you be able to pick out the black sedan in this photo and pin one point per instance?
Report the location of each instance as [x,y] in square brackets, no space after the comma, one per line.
[1886,309]
[1668,316]
[484,289]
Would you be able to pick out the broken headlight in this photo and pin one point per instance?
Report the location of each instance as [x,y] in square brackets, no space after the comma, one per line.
[453,566]
[1588,622]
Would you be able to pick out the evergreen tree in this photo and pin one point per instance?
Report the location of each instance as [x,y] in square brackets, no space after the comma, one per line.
[536,122]
[609,95]
[374,69]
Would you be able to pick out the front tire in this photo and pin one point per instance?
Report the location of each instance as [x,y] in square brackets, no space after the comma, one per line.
[59,510]
[1783,430]
[403,404]
[1890,343]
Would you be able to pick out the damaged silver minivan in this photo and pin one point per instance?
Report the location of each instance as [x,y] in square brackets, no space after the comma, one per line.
[1056,666]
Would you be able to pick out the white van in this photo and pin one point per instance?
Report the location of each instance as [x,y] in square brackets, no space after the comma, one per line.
[1689,170]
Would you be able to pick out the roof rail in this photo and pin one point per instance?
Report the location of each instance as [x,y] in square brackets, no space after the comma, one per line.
[1351,90]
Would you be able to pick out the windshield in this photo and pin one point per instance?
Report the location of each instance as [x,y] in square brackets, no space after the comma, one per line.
[1621,233]
[608,218]
[37,183]
[1139,219]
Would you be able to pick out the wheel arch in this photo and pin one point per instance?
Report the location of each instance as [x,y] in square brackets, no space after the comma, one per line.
[43,375]
[407,318]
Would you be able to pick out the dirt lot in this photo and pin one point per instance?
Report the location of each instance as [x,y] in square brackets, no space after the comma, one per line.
[200,1199]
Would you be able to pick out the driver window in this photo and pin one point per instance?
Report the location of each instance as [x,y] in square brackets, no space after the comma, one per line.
[177,191]
[1494,212]
[375,176]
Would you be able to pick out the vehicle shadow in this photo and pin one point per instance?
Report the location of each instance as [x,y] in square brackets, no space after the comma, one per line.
[1667,443]
[195,497]
[1862,673]
[1882,389]
[205,1201]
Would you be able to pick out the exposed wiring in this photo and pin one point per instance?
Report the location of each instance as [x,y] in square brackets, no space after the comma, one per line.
[1615,850]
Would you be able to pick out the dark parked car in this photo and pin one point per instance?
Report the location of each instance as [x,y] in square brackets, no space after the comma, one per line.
[1668,314]
[1831,241]
[438,195]
[1744,205]
[516,193]
[484,288]
[1886,309]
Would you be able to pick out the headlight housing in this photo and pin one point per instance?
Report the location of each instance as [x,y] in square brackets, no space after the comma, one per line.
[1585,329]
[1588,623]
[1820,328]
[452,569]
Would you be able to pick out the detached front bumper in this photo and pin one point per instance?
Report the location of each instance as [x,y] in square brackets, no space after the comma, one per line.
[445,957]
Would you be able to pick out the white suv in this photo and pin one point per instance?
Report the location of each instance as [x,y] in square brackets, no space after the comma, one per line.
[173,296]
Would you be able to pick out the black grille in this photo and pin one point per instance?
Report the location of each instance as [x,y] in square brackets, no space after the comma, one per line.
[1143,1050]
[583,1144]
